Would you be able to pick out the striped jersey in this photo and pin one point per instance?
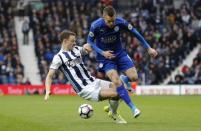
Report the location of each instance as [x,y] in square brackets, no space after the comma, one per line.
[71,64]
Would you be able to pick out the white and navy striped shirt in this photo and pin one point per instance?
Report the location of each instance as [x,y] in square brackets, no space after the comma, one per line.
[71,64]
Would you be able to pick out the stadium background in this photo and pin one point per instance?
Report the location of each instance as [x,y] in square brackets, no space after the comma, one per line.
[29,39]
[171,27]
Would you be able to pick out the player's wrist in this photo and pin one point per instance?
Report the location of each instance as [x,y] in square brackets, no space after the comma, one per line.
[102,53]
[148,49]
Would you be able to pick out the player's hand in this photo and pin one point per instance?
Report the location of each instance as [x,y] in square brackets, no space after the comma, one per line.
[152,52]
[108,54]
[87,47]
[47,96]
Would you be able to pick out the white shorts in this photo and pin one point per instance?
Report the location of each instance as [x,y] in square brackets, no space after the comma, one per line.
[91,91]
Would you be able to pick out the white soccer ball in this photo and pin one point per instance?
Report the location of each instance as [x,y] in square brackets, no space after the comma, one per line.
[85,111]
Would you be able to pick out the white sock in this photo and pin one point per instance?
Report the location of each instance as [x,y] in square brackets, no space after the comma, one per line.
[114,104]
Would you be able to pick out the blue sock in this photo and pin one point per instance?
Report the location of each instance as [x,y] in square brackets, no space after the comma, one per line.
[126,80]
[125,97]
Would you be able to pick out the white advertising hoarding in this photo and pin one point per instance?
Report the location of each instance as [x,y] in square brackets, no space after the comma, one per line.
[157,90]
[169,90]
[190,90]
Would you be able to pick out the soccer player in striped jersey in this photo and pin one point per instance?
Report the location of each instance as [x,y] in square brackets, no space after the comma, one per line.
[69,61]
[105,38]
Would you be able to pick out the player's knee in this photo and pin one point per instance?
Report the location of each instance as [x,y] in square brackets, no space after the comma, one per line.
[115,98]
[134,77]
[114,95]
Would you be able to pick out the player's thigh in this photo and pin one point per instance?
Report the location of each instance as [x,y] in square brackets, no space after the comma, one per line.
[114,77]
[106,65]
[131,73]
[105,84]
[124,63]
[96,89]
[108,93]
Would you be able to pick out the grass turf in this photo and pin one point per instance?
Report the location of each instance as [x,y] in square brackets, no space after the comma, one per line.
[159,113]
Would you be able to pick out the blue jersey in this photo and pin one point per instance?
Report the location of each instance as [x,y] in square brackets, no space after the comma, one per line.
[103,38]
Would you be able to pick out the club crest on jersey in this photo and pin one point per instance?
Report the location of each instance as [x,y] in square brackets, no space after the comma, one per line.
[116,28]
[91,34]
[130,27]
[100,65]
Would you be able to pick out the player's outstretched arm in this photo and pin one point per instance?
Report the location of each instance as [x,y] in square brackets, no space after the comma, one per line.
[48,83]
[143,42]
[152,52]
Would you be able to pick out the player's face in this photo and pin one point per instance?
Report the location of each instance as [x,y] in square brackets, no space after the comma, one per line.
[70,42]
[109,20]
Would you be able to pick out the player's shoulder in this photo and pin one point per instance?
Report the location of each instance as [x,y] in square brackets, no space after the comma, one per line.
[120,20]
[77,48]
[97,23]
[57,55]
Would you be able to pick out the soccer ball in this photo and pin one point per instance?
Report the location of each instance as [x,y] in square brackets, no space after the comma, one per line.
[85,111]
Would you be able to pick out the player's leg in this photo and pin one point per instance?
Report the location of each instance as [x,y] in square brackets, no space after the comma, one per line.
[122,92]
[113,102]
[112,95]
[101,90]
[126,65]
[126,82]
[108,93]
[113,98]
[130,76]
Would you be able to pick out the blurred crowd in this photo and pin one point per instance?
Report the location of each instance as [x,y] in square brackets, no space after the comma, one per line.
[172,31]
[169,30]
[189,75]
[11,68]
[54,17]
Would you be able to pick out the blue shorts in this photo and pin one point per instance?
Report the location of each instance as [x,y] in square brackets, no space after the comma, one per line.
[121,63]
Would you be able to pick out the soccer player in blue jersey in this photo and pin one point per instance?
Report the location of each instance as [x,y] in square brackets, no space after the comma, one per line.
[104,37]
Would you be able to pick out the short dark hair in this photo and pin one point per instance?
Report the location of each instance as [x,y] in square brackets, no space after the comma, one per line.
[65,35]
[109,10]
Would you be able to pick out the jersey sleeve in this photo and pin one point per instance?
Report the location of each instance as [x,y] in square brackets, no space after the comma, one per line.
[91,40]
[131,29]
[91,35]
[56,62]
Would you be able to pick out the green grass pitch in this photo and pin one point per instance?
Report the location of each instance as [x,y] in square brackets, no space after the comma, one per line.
[159,113]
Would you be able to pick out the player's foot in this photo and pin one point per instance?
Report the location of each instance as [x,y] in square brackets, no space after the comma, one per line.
[106,109]
[136,113]
[126,81]
[117,118]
